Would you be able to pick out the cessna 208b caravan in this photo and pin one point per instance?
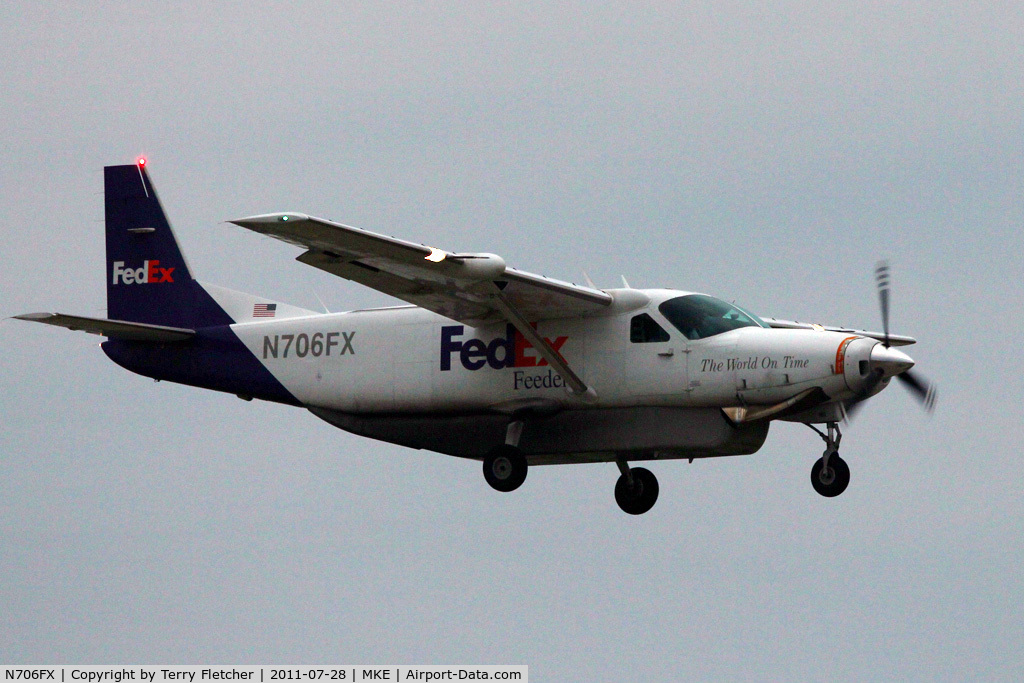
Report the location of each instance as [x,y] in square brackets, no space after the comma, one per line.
[486,362]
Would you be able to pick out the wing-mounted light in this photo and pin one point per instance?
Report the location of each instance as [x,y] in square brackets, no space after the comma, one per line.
[472,266]
[436,255]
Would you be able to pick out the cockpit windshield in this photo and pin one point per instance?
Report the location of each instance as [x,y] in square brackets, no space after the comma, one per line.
[698,316]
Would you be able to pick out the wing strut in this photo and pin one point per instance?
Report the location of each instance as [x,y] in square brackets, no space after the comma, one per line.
[577,386]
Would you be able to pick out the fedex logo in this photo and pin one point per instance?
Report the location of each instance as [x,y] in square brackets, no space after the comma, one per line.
[149,272]
[510,351]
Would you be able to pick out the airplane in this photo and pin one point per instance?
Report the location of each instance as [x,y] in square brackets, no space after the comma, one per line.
[484,361]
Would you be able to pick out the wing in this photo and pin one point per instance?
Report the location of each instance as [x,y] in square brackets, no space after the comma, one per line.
[469,288]
[894,339]
[457,286]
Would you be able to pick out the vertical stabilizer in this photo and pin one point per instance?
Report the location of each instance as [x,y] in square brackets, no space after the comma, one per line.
[148,279]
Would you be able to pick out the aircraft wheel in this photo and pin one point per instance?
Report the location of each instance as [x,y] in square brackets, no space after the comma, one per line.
[641,496]
[833,481]
[505,468]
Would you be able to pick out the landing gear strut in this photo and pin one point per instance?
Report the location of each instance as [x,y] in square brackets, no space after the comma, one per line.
[830,475]
[636,491]
[505,465]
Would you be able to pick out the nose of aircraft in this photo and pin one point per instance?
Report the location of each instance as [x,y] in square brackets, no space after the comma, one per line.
[890,361]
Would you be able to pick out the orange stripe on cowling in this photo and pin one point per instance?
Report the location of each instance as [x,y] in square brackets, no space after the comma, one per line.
[841,355]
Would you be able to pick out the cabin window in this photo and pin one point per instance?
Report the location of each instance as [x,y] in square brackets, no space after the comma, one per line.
[644,329]
[698,316]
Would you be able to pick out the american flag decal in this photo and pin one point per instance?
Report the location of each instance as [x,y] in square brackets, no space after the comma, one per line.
[264,310]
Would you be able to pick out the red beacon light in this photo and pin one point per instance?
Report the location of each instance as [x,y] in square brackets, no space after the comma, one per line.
[141,161]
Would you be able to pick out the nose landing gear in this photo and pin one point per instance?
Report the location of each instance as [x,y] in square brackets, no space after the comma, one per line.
[636,491]
[830,475]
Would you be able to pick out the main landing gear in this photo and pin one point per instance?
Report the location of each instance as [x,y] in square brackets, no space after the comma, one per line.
[636,491]
[505,470]
[830,475]
[505,465]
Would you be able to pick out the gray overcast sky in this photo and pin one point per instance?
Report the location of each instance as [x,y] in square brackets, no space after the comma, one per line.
[764,152]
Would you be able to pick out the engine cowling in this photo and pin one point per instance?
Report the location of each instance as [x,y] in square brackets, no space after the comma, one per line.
[854,358]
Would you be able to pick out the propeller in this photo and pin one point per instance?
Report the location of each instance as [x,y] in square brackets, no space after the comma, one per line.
[921,389]
[882,277]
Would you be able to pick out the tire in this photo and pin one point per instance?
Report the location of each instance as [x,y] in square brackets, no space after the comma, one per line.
[641,496]
[840,478]
[505,468]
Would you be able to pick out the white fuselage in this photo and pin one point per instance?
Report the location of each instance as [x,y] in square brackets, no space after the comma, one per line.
[410,360]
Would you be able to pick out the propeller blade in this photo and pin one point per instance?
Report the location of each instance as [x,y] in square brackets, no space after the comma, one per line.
[923,390]
[850,410]
[883,278]
[853,406]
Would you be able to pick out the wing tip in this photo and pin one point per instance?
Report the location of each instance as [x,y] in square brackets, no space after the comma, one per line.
[266,219]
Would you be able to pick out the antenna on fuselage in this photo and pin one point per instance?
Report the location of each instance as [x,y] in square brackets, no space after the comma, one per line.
[321,302]
[590,283]
[624,283]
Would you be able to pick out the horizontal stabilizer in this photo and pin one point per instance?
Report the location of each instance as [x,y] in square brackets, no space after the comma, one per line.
[114,329]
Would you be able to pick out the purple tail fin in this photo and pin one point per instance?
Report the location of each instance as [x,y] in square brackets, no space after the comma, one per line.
[148,279]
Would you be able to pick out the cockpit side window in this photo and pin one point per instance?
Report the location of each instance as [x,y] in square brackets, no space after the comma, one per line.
[699,316]
[644,329]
